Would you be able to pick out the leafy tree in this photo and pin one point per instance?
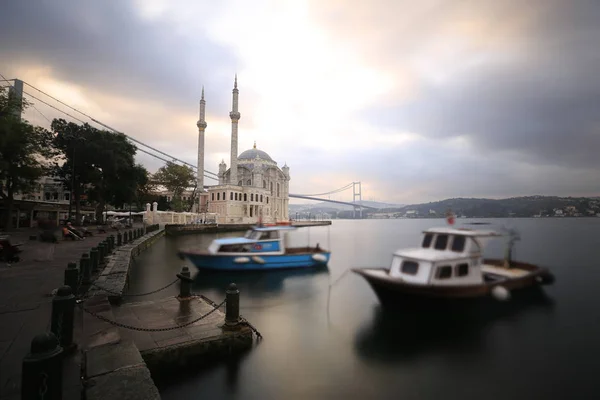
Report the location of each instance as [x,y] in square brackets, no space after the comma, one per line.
[24,151]
[176,178]
[98,162]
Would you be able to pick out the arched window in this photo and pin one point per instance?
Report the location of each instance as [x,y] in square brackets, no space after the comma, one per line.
[240,183]
[267,200]
[224,198]
[278,190]
[218,196]
[212,196]
[251,197]
[245,197]
[249,182]
[261,198]
[265,184]
[230,195]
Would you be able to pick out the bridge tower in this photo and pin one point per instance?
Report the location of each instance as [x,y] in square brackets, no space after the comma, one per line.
[235,117]
[357,193]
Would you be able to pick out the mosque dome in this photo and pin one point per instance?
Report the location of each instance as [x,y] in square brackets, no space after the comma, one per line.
[253,153]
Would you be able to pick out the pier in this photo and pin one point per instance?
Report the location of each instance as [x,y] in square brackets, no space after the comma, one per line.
[63,319]
[173,230]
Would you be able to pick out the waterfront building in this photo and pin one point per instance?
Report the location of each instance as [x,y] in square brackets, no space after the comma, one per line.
[253,188]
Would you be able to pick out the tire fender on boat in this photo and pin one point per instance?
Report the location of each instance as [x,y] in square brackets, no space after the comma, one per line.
[258,260]
[545,279]
[241,260]
[319,258]
[500,293]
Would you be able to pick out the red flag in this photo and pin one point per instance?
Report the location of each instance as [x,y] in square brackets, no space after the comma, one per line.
[450,217]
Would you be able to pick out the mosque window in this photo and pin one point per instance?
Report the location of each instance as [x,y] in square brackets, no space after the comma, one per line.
[218,196]
[265,184]
[212,197]
[278,190]
[224,198]
[267,200]
[230,195]
[240,183]
[235,196]
[251,197]
[248,182]
[271,188]
[245,197]
[261,198]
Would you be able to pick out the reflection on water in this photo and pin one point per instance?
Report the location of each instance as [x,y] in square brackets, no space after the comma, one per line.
[338,343]
[257,286]
[398,336]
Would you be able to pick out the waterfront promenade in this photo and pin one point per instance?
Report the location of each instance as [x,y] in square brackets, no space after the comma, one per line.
[26,303]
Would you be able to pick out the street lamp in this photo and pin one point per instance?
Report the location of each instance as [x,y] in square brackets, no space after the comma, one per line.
[75,140]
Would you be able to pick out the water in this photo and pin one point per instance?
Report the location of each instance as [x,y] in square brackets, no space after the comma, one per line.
[543,347]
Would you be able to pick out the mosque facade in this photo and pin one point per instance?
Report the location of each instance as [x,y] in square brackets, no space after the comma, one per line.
[253,188]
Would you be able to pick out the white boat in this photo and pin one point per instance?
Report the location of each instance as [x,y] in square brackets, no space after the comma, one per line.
[449,266]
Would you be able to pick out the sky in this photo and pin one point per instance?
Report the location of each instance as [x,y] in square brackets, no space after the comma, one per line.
[419,101]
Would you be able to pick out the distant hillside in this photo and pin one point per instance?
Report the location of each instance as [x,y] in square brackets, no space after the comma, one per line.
[514,207]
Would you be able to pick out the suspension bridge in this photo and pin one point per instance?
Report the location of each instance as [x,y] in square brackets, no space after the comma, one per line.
[21,89]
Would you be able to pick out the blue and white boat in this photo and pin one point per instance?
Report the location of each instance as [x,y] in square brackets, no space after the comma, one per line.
[262,248]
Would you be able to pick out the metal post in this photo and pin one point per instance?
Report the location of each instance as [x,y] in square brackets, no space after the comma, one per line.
[86,268]
[41,376]
[232,306]
[119,239]
[125,237]
[94,258]
[101,253]
[71,276]
[63,316]
[130,234]
[185,289]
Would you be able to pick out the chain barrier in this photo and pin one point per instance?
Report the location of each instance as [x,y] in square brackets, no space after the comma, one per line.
[137,328]
[134,294]
[246,322]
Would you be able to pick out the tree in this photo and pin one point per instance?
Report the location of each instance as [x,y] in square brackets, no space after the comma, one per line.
[97,161]
[24,153]
[176,178]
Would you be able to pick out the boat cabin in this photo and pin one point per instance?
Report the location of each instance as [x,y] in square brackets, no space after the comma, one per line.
[268,239]
[447,256]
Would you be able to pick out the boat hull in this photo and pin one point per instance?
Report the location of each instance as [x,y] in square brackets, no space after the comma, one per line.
[395,293]
[256,262]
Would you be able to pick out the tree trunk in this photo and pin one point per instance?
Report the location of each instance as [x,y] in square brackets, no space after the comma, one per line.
[100,209]
[9,201]
[76,192]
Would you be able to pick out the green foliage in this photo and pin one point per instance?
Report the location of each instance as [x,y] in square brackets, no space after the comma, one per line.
[24,149]
[99,163]
[176,178]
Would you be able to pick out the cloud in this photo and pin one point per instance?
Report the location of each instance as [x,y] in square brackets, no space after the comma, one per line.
[417,100]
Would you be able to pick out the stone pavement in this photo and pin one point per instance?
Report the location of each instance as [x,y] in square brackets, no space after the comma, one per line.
[26,303]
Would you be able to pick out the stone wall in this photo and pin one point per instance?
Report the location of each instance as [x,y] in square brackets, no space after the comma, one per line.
[115,275]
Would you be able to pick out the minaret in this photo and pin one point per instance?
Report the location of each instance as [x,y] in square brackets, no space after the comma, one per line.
[235,117]
[201,127]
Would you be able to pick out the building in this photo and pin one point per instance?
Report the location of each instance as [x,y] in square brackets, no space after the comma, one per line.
[253,188]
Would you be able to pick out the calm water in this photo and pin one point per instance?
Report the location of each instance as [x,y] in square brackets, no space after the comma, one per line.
[544,347]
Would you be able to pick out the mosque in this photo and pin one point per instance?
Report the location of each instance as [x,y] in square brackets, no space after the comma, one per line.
[253,188]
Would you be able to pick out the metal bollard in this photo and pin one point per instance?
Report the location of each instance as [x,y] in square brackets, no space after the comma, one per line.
[72,276]
[41,376]
[94,258]
[63,316]
[113,243]
[100,248]
[119,239]
[125,237]
[232,306]
[185,290]
[129,237]
[85,268]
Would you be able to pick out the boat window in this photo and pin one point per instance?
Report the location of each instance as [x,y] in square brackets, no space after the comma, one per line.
[248,234]
[441,241]
[461,269]
[410,267]
[444,272]
[273,235]
[427,240]
[458,243]
[231,248]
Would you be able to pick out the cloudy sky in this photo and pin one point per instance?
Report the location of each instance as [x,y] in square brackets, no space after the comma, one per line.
[419,101]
